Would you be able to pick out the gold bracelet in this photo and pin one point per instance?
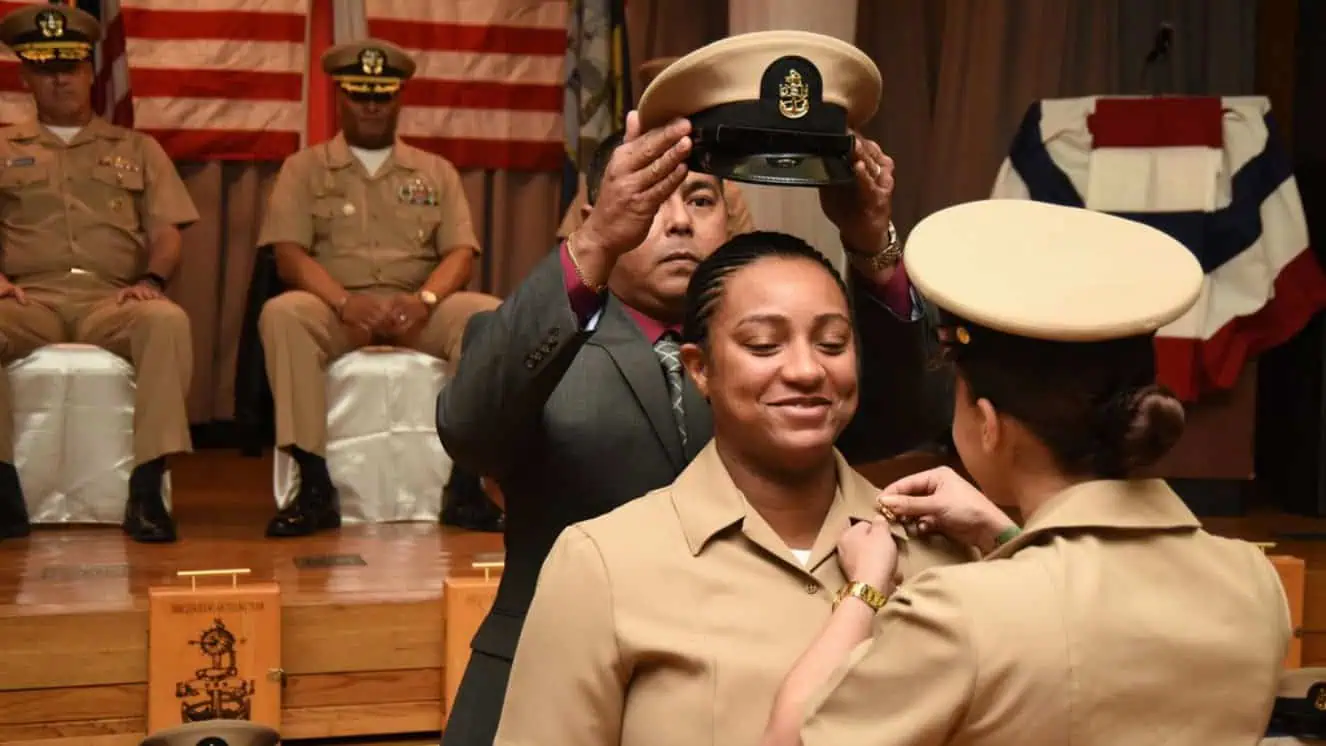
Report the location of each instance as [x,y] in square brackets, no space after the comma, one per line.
[872,596]
[575,264]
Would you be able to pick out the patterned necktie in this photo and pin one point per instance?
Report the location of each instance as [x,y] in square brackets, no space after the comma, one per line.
[669,354]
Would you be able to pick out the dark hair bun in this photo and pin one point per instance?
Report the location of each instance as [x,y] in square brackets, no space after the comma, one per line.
[1155,426]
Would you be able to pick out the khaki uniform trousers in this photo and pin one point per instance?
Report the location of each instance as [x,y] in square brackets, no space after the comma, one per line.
[153,335]
[301,336]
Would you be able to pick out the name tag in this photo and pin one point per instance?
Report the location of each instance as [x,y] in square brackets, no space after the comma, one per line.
[24,161]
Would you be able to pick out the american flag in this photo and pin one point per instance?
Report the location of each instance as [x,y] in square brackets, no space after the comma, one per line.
[488,91]
[232,79]
[112,98]
[1212,173]
[212,79]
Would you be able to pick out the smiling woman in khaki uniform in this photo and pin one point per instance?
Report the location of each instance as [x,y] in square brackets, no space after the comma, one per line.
[89,224]
[1112,617]
[673,618]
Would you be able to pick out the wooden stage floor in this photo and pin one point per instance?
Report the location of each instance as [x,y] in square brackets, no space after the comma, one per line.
[362,631]
[362,620]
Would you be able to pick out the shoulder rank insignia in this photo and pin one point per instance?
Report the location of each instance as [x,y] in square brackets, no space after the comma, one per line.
[117,162]
[418,192]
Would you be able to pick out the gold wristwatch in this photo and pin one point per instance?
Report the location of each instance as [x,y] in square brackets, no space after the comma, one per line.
[873,597]
[884,259]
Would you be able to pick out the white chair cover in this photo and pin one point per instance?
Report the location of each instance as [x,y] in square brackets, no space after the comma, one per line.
[383,452]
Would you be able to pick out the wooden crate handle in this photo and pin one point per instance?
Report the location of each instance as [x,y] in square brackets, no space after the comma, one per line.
[488,567]
[193,575]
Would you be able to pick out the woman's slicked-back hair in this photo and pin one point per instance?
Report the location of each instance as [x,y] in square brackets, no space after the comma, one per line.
[705,290]
[1095,406]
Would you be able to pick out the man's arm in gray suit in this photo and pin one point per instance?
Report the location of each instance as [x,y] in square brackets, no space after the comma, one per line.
[512,360]
[906,399]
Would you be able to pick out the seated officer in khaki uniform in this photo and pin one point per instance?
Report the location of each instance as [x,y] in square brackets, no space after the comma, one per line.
[738,215]
[376,237]
[89,236]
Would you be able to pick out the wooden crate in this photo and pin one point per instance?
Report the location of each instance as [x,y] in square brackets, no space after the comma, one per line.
[1293,576]
[467,601]
[350,670]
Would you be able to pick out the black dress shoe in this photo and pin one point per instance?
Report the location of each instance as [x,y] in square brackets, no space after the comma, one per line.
[146,519]
[464,505]
[313,509]
[13,510]
[145,516]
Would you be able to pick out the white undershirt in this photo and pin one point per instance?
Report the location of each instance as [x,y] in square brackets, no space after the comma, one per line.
[372,160]
[64,133]
[802,555]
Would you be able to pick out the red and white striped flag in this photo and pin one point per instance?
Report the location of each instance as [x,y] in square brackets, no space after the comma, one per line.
[220,80]
[488,92]
[239,79]
[216,80]
[112,96]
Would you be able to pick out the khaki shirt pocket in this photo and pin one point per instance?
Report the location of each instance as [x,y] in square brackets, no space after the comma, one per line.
[116,194]
[15,179]
[420,223]
[332,226]
[130,180]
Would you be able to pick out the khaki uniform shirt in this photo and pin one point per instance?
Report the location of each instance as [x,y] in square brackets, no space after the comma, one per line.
[674,618]
[88,205]
[1112,619]
[385,231]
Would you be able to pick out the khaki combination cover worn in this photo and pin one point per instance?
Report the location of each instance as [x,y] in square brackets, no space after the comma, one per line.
[75,219]
[674,618]
[1112,619]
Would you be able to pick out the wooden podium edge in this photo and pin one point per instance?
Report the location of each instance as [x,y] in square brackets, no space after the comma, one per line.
[466,602]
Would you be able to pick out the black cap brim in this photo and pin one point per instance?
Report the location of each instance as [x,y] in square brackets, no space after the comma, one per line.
[773,157]
[779,169]
[54,67]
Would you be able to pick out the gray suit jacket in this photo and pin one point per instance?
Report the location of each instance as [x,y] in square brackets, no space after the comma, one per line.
[573,424]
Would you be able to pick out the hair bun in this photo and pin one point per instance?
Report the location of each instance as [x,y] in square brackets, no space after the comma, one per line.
[1155,425]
